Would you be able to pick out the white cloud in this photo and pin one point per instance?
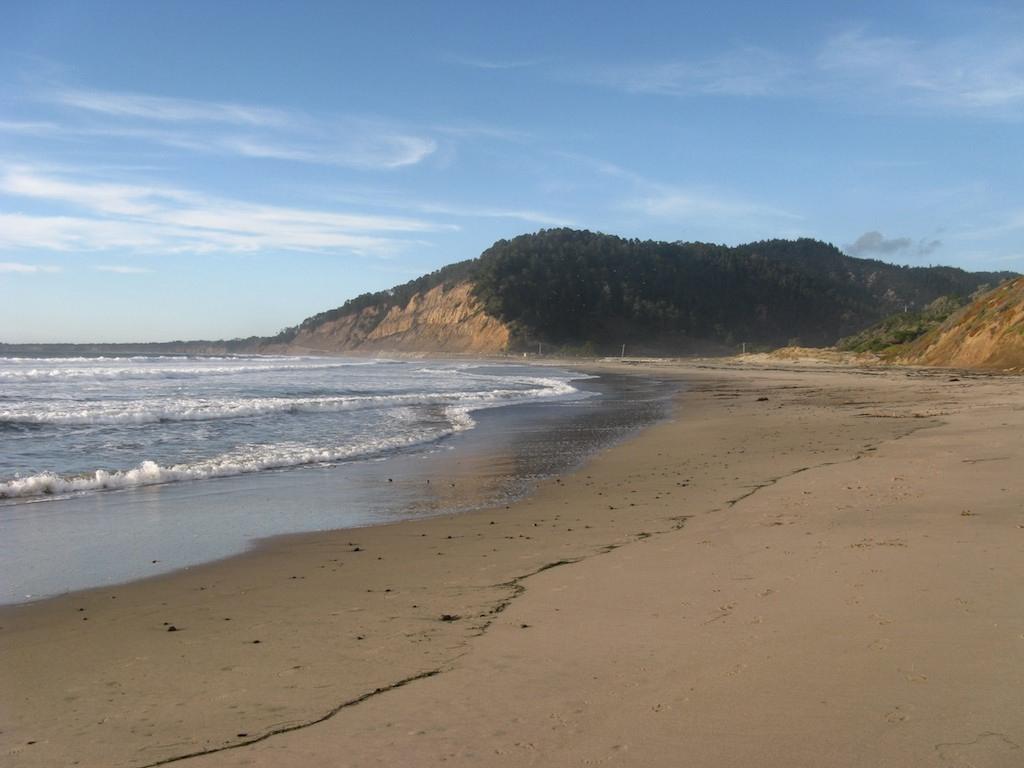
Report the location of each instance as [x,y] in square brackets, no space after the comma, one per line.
[964,74]
[980,74]
[11,266]
[464,211]
[744,71]
[120,269]
[354,146]
[156,219]
[74,233]
[684,202]
[161,108]
[397,201]
[235,129]
[676,203]
[29,127]
[497,64]
[1006,222]
[477,130]
[521,214]
[97,196]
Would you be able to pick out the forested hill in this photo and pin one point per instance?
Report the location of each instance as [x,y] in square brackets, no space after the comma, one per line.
[592,292]
[576,287]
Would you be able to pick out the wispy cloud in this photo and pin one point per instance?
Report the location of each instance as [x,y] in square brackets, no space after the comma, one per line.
[1002,224]
[685,202]
[29,127]
[981,74]
[520,214]
[121,269]
[162,108]
[357,145]
[965,74]
[77,233]
[700,204]
[17,267]
[160,219]
[397,202]
[233,129]
[477,130]
[744,71]
[478,62]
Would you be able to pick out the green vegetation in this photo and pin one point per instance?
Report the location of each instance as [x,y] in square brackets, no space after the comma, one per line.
[901,328]
[587,293]
[571,287]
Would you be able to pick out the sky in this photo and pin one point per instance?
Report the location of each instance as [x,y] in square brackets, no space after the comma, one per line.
[182,170]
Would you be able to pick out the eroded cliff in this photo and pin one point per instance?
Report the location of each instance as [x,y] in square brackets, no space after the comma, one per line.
[988,333]
[446,320]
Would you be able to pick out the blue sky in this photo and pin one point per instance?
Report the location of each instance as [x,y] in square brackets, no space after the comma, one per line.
[203,170]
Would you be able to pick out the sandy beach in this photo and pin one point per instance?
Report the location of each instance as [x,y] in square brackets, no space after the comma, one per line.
[806,566]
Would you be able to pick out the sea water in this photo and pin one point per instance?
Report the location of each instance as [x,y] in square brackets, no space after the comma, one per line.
[113,469]
[77,425]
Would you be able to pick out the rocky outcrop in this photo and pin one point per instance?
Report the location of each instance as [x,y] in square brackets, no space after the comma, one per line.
[446,320]
[987,333]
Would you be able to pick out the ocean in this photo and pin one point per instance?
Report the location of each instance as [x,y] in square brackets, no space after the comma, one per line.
[116,468]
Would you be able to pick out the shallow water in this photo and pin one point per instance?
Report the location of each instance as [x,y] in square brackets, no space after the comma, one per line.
[72,425]
[93,538]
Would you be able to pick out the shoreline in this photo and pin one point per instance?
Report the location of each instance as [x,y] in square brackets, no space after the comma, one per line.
[113,537]
[337,622]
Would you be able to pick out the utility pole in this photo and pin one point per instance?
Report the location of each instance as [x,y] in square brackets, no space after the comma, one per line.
[623,350]
[744,347]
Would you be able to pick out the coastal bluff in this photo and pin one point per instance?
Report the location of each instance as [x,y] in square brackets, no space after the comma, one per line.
[444,319]
[987,333]
[576,292]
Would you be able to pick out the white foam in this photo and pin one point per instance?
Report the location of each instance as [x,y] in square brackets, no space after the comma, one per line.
[168,409]
[244,460]
[402,413]
[64,372]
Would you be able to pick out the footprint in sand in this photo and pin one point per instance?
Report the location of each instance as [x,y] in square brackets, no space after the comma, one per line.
[964,604]
[897,715]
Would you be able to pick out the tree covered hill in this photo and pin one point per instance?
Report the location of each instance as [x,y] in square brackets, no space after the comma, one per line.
[567,286]
[591,291]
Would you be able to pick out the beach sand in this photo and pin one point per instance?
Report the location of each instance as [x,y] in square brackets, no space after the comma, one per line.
[805,567]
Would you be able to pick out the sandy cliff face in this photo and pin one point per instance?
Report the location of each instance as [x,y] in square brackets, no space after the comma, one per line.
[438,321]
[988,333]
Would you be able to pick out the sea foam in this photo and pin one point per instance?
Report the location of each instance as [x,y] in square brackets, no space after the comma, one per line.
[113,412]
[248,460]
[81,425]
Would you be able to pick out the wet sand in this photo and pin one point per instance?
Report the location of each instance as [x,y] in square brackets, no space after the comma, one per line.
[49,548]
[804,567]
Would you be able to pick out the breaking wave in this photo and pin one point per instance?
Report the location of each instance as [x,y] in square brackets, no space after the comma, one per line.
[246,460]
[131,372]
[211,409]
[79,425]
